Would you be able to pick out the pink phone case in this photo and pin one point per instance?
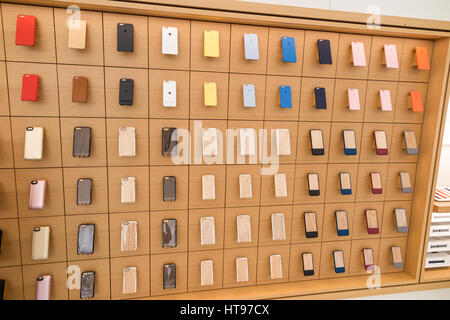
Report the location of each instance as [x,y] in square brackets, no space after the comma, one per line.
[359,56]
[43,287]
[385,98]
[37,194]
[390,55]
[353,99]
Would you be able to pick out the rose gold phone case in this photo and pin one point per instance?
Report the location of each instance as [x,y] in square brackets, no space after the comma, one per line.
[129,280]
[37,194]
[43,284]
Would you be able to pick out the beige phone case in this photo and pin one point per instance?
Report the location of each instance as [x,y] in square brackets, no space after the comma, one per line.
[77,34]
[128,236]
[349,139]
[380,139]
[308,262]
[206,273]
[245,186]
[278,226]
[209,140]
[127,142]
[368,257]
[247,141]
[129,280]
[280,185]
[342,220]
[372,219]
[276,268]
[283,142]
[242,269]
[313,182]
[346,182]
[128,193]
[316,139]
[207,231]
[310,222]
[208,187]
[34,140]
[244,230]
[339,259]
[40,244]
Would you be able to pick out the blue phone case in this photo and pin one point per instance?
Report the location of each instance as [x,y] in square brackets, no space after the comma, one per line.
[285,97]
[288,47]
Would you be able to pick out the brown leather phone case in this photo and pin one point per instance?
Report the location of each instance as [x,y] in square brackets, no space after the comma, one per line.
[79,89]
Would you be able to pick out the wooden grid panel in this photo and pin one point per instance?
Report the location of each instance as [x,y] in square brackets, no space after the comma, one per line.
[104,66]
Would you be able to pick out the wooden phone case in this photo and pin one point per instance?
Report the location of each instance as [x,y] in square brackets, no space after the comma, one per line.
[79,89]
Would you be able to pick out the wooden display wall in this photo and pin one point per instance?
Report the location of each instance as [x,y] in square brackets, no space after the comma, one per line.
[103,65]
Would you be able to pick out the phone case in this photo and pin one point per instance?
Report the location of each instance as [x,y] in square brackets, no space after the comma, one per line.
[311,225]
[372,221]
[397,257]
[43,286]
[244,230]
[87,290]
[84,191]
[34,140]
[209,141]
[376,183]
[285,97]
[86,234]
[37,194]
[169,233]
[2,289]
[353,99]
[241,269]
[278,227]
[211,44]
[129,279]
[385,100]
[247,141]
[381,147]
[368,258]
[313,184]
[317,142]
[169,188]
[422,58]
[320,97]
[208,187]
[127,142]
[338,260]
[251,46]
[279,180]
[169,142]
[206,273]
[169,276]
[125,37]
[249,95]
[349,142]
[169,94]
[128,191]
[77,34]
[25,30]
[346,183]
[324,48]
[30,87]
[283,142]
[416,101]
[210,94]
[82,142]
[288,49]
[128,236]
[358,54]
[390,56]
[79,89]
[405,181]
[401,220]
[40,243]
[410,142]
[308,264]
[342,223]
[126,88]
[245,186]
[169,40]
[207,231]
[276,268]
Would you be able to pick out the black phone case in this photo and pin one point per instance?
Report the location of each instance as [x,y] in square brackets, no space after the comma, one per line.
[307,273]
[169,233]
[313,193]
[81,142]
[2,288]
[169,145]
[169,188]
[324,48]
[87,285]
[321,98]
[84,191]
[125,37]
[310,234]
[169,276]
[317,151]
[126,88]
[85,239]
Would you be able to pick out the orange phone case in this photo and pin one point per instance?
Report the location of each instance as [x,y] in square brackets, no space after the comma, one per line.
[416,101]
[422,58]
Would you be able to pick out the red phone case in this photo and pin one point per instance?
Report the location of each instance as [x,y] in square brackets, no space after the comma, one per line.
[30,86]
[25,30]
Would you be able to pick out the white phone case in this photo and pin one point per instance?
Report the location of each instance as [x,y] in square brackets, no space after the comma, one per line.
[128,193]
[34,139]
[127,142]
[170,40]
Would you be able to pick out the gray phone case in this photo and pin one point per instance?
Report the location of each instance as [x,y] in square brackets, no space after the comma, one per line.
[86,239]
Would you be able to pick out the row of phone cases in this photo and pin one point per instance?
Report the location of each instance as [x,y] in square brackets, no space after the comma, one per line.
[26,26]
